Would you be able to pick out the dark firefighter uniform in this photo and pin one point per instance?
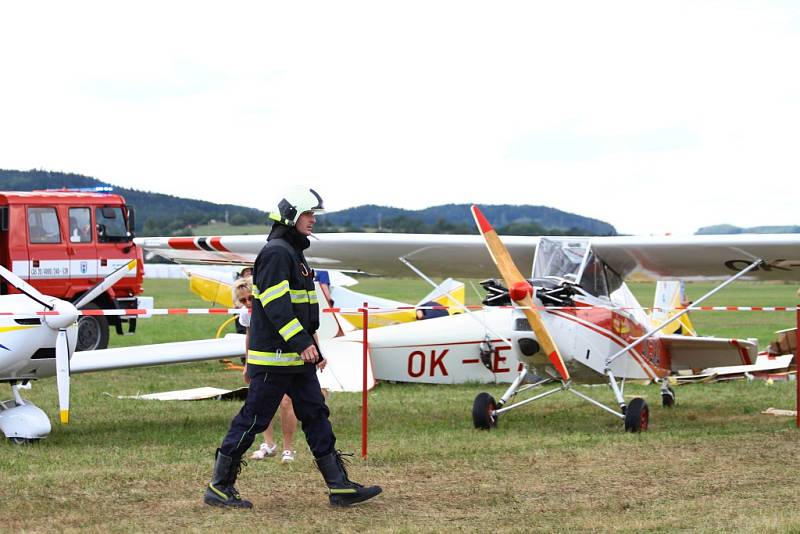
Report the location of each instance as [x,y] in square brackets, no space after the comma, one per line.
[285,316]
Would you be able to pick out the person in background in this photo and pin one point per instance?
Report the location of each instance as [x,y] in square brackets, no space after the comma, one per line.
[288,429]
[242,292]
[243,298]
[427,313]
[243,277]
[324,280]
[74,233]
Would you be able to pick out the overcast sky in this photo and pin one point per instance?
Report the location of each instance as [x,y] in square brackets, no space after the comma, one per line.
[653,116]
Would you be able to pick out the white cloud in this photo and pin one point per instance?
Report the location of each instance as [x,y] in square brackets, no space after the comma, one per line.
[653,116]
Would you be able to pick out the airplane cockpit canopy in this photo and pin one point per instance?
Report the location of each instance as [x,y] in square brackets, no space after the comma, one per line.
[572,260]
[559,258]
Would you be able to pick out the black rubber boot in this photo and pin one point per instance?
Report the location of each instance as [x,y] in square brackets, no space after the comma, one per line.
[342,491]
[221,490]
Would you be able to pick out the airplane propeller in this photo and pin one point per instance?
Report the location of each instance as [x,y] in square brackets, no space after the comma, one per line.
[24,287]
[105,284]
[67,315]
[520,291]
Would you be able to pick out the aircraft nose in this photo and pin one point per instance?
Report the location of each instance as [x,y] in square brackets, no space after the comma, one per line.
[67,314]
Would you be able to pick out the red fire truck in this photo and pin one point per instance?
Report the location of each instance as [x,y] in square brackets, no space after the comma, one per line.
[64,242]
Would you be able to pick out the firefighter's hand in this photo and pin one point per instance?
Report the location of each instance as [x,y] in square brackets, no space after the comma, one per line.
[245,376]
[321,365]
[310,355]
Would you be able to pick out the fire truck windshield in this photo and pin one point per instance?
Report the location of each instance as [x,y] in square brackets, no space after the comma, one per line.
[110,225]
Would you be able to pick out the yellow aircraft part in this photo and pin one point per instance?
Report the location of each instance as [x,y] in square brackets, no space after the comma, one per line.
[382,318]
[4,329]
[226,323]
[387,318]
[211,290]
[455,302]
[683,325]
[218,292]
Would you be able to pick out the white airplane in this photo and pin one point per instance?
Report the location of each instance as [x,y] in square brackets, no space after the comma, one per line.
[572,320]
[38,334]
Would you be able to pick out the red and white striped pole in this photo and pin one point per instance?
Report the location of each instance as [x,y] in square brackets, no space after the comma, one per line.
[365,341]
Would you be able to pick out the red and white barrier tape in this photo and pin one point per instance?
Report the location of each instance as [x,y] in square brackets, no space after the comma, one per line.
[138,312]
[236,311]
[646,308]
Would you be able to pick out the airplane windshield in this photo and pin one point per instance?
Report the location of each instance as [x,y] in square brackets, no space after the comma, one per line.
[572,259]
[561,258]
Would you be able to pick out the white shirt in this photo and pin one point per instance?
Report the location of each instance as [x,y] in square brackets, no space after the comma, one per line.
[244,317]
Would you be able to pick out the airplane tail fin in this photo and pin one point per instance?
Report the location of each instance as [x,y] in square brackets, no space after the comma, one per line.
[669,296]
[448,293]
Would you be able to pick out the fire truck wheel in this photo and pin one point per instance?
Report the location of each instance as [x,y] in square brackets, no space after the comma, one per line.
[92,330]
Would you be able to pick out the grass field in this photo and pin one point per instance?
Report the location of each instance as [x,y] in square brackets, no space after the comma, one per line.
[712,463]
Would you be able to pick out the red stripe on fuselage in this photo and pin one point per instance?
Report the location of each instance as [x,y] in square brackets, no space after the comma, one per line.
[638,358]
[444,344]
[216,242]
[182,243]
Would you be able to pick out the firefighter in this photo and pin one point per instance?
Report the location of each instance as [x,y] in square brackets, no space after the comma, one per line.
[282,356]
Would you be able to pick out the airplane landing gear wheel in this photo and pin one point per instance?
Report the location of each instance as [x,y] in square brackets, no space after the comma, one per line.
[637,416]
[668,398]
[22,441]
[483,412]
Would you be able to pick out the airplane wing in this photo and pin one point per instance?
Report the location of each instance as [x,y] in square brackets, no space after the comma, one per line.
[764,364]
[701,256]
[343,372]
[448,255]
[689,352]
[231,346]
[639,258]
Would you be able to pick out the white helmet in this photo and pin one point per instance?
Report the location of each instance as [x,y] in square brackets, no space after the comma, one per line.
[297,201]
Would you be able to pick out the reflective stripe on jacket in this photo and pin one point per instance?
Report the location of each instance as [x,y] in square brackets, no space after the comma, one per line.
[285,312]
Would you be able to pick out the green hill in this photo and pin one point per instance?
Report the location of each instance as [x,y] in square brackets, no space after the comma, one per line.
[188,216]
[457,219]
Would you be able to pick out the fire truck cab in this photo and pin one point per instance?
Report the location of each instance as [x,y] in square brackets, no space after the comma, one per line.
[63,243]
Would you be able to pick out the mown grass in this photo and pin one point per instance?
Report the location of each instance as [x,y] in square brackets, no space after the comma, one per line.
[712,463]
